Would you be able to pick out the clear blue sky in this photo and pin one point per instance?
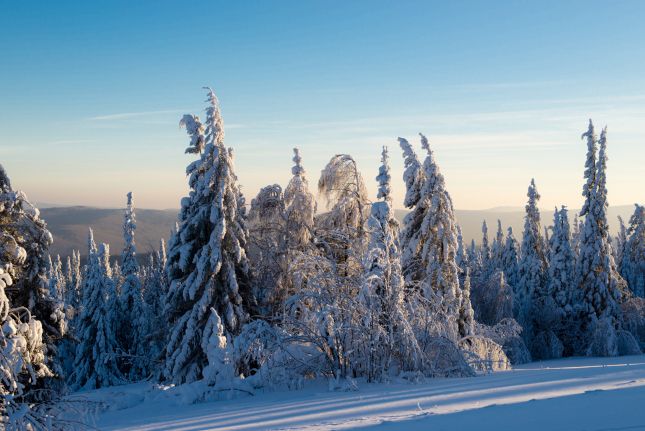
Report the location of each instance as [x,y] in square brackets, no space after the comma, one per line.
[91,93]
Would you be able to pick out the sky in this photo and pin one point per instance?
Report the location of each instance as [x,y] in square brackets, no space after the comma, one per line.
[91,93]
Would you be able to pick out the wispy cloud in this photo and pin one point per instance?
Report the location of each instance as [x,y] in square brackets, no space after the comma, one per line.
[130,115]
[70,142]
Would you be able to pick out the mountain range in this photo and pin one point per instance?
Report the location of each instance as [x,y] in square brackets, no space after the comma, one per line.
[69,225]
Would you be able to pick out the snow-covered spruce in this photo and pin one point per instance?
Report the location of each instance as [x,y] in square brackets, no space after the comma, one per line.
[430,238]
[532,266]
[95,365]
[21,225]
[600,286]
[207,264]
[155,326]
[389,338]
[130,302]
[633,255]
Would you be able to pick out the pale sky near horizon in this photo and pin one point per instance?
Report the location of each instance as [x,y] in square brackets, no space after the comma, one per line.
[91,93]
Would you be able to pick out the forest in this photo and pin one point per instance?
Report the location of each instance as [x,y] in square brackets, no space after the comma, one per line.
[311,282]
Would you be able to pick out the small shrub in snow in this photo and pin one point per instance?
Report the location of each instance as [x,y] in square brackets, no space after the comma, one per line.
[603,341]
[633,312]
[627,344]
[507,333]
[484,355]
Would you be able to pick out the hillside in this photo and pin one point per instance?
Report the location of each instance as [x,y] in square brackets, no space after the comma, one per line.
[69,225]
[471,220]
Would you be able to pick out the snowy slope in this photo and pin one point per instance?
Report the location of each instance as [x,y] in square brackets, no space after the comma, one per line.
[567,394]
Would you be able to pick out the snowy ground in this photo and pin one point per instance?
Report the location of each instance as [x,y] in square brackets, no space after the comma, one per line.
[605,394]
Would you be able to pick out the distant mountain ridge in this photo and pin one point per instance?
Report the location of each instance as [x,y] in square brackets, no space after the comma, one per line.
[471,220]
[69,225]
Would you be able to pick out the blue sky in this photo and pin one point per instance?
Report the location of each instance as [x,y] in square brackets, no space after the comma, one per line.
[91,93]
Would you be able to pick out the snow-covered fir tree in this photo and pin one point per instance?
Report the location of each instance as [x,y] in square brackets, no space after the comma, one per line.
[22,352]
[532,265]
[155,327]
[411,235]
[485,249]
[633,258]
[95,364]
[621,240]
[207,263]
[466,320]
[561,279]
[435,240]
[510,260]
[20,223]
[130,302]
[600,284]
[389,337]
[56,278]
[462,254]
[497,249]
[300,207]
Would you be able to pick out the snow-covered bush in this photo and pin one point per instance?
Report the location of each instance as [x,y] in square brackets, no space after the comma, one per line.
[493,301]
[633,313]
[627,344]
[603,340]
[508,334]
[483,354]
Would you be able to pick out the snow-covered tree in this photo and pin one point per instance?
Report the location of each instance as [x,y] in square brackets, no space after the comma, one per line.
[73,278]
[621,240]
[497,249]
[600,284]
[561,262]
[485,249]
[462,254]
[388,335]
[411,235]
[267,249]
[56,278]
[431,236]
[633,258]
[207,263]
[95,364]
[300,207]
[493,301]
[466,320]
[474,260]
[155,326]
[510,260]
[22,353]
[390,339]
[532,264]
[342,228]
[130,302]
[20,223]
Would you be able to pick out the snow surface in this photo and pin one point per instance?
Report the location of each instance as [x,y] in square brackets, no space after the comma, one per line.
[599,394]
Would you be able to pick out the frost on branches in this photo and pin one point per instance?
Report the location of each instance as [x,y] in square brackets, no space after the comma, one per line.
[601,287]
[21,225]
[207,263]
